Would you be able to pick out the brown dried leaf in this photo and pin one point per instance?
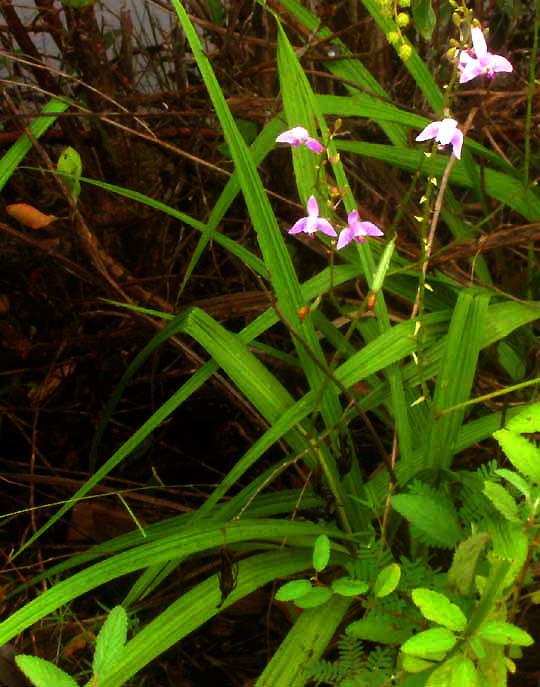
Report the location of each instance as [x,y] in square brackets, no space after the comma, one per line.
[29,216]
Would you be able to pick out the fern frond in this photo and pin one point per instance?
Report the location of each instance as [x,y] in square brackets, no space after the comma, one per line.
[381,659]
[351,653]
[369,562]
[332,672]
[354,668]
[417,573]
[487,470]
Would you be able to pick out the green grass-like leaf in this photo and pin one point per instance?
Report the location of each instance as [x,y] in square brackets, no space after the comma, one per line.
[11,160]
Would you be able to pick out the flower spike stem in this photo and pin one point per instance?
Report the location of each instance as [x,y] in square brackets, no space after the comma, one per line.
[436,213]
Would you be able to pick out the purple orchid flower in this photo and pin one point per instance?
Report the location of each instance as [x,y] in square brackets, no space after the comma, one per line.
[312,222]
[299,136]
[356,231]
[444,132]
[484,63]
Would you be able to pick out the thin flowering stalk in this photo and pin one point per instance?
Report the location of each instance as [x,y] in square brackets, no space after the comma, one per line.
[428,243]
[444,132]
[312,222]
[299,136]
[484,63]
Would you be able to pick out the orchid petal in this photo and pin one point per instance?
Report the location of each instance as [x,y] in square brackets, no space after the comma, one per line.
[283,138]
[314,145]
[471,71]
[446,131]
[312,207]
[500,64]
[344,238]
[430,131]
[298,226]
[457,143]
[293,136]
[371,229]
[465,59]
[325,226]
[312,222]
[479,43]
[298,136]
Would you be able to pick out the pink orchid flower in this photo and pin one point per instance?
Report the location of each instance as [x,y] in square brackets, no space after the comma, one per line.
[312,222]
[299,136]
[444,132]
[356,231]
[484,62]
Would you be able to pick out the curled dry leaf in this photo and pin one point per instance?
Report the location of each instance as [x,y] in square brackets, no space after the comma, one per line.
[29,216]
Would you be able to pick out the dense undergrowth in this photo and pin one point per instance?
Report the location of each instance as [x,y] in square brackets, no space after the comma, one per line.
[270,304]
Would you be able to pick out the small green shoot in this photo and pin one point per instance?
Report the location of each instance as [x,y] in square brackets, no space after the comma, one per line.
[69,168]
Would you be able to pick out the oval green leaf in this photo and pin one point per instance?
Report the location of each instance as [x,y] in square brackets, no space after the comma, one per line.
[110,642]
[464,673]
[387,580]
[437,607]
[293,590]
[42,673]
[415,665]
[499,632]
[69,167]
[379,629]
[316,597]
[478,647]
[321,552]
[429,643]
[347,586]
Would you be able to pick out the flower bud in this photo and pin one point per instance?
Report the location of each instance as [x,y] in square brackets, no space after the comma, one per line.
[405,51]
[402,19]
